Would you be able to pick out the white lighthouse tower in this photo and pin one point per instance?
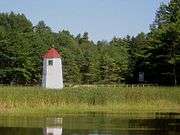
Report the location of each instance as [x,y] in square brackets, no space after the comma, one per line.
[52,70]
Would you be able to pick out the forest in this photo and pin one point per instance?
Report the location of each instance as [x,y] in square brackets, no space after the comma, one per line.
[156,53]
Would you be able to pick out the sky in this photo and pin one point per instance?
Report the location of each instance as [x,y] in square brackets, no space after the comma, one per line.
[102,19]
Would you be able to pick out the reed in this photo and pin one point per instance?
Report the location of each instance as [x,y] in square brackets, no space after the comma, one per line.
[35,100]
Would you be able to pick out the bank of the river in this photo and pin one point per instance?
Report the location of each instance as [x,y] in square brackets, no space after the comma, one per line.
[108,99]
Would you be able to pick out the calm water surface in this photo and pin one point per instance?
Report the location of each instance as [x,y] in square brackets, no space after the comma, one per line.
[93,124]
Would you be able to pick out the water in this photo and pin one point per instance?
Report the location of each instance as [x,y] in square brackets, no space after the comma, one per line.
[93,124]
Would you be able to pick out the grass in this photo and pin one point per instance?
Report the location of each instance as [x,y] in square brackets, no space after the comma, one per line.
[108,99]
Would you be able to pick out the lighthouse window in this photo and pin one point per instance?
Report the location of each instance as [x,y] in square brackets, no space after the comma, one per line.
[50,62]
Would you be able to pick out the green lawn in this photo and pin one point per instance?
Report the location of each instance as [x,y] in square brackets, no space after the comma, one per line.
[108,99]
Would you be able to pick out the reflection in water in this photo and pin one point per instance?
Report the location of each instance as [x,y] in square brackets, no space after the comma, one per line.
[93,124]
[53,131]
[56,126]
[161,124]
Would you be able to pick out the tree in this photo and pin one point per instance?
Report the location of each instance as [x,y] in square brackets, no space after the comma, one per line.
[165,38]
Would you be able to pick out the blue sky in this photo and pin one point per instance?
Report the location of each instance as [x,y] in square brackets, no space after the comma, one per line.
[103,19]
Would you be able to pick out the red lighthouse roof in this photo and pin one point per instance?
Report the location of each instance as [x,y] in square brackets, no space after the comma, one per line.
[52,53]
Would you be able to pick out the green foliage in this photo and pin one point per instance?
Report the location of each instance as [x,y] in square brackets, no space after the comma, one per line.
[156,53]
[22,47]
[165,44]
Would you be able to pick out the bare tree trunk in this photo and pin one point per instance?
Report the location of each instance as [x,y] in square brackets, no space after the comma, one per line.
[174,73]
[174,64]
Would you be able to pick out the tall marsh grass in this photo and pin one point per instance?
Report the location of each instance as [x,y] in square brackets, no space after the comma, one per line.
[80,99]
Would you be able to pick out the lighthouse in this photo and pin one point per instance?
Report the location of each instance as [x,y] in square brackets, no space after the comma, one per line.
[52,70]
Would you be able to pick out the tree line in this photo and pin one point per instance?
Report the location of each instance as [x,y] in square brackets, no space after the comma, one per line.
[156,53]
